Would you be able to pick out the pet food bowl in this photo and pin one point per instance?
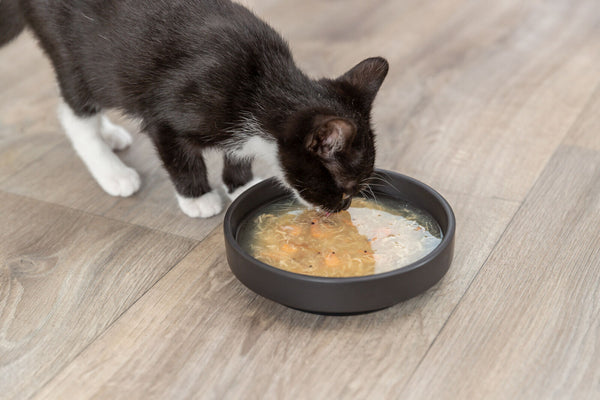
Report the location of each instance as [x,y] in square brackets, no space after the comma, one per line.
[342,295]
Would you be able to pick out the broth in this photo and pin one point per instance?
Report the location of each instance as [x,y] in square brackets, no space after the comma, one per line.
[369,238]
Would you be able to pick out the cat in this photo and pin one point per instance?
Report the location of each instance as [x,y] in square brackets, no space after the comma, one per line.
[202,74]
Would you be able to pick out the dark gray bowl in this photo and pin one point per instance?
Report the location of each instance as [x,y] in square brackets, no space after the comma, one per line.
[342,295]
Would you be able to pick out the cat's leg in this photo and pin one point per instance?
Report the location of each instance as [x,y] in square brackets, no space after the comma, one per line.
[82,121]
[237,175]
[110,172]
[115,136]
[185,164]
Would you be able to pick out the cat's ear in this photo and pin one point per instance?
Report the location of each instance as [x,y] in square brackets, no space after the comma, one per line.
[367,77]
[330,136]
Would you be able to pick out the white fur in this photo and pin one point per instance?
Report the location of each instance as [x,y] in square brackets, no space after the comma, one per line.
[114,135]
[259,147]
[264,149]
[86,134]
[205,206]
[236,193]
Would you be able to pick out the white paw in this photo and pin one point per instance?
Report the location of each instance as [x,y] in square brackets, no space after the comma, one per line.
[205,206]
[115,136]
[236,193]
[120,181]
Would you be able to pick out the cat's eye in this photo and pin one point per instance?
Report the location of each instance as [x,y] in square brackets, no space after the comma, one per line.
[346,196]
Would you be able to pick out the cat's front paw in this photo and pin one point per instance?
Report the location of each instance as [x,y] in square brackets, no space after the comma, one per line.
[205,206]
[236,193]
[119,180]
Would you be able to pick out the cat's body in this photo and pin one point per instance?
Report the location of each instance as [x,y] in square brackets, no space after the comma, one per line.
[202,74]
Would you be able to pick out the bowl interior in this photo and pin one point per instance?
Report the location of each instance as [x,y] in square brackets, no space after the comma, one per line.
[405,189]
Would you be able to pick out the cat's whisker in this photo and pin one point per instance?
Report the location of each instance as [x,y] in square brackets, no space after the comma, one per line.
[363,190]
[384,185]
[381,178]
[381,181]
[373,194]
[367,184]
[368,193]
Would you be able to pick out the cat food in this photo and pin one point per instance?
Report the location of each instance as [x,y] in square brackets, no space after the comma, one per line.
[369,238]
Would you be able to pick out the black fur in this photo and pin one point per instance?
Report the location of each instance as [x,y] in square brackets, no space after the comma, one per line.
[194,71]
[11,20]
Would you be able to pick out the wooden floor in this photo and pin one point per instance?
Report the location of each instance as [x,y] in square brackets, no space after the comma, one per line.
[495,104]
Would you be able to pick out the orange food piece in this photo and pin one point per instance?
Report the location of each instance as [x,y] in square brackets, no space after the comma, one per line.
[331,260]
[316,231]
[289,248]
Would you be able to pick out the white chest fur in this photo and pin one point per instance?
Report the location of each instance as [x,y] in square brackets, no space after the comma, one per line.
[266,150]
[263,149]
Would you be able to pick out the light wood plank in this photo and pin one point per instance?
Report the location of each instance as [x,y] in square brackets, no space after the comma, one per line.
[529,325]
[343,33]
[586,130]
[16,153]
[489,117]
[64,278]
[200,331]
[21,64]
[26,84]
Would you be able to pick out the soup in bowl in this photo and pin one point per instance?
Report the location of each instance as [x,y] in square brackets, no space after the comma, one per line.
[372,236]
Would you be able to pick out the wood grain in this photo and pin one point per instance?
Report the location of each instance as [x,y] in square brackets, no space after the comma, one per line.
[25,135]
[493,98]
[529,325]
[199,331]
[586,130]
[64,278]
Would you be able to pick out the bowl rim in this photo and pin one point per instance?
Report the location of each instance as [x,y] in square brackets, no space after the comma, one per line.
[447,240]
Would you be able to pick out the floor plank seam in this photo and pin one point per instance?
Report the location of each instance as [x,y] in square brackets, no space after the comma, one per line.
[128,223]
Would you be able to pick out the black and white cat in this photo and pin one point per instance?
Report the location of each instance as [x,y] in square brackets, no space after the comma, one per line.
[201,74]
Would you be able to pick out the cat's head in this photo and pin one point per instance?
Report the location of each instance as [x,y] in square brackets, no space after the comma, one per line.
[329,150]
